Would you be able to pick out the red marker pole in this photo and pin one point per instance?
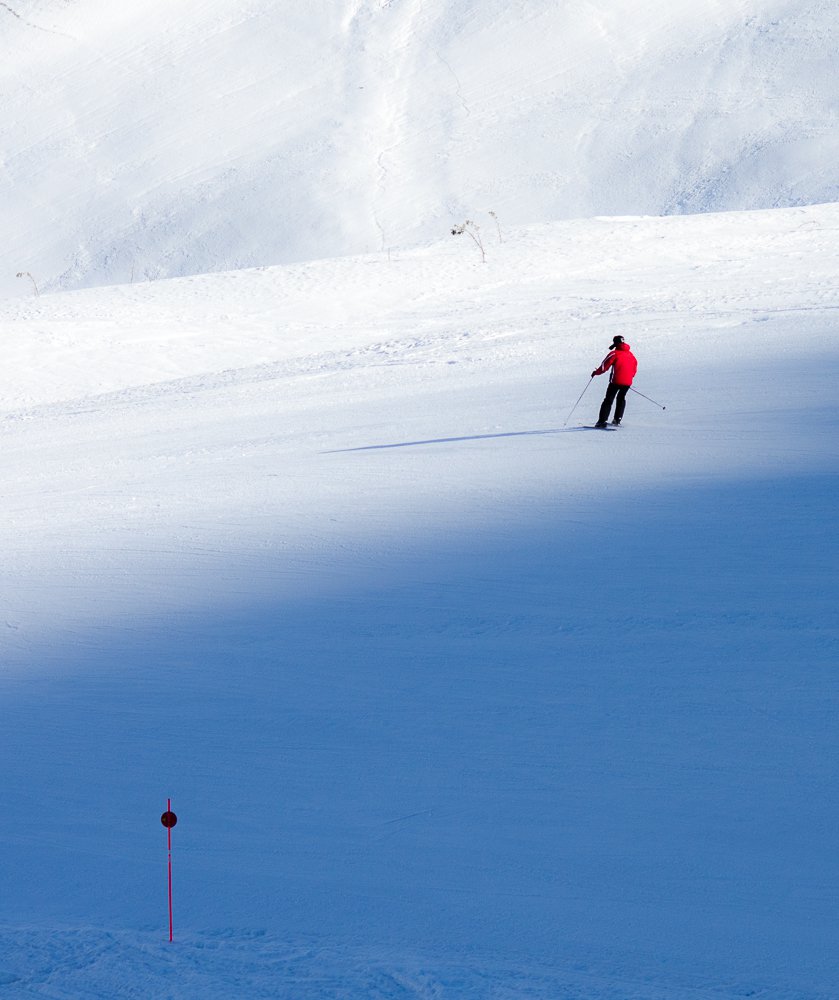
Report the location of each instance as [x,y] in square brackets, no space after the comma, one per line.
[169,819]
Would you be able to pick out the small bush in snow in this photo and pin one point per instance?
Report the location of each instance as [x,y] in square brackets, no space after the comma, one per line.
[473,230]
[26,274]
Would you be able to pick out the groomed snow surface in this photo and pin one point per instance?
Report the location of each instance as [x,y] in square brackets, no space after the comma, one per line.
[454,697]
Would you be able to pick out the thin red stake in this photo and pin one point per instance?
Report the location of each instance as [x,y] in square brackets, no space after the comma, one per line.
[169,839]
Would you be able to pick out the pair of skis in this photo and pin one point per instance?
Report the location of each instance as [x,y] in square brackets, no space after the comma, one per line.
[608,426]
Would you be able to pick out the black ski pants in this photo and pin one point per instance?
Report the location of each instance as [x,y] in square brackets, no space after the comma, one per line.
[613,392]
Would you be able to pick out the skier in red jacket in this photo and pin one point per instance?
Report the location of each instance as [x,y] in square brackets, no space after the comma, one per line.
[624,365]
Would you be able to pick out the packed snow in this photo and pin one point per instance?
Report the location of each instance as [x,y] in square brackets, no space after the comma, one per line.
[455,696]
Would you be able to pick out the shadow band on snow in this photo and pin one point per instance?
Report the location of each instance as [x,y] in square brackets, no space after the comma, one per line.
[561,742]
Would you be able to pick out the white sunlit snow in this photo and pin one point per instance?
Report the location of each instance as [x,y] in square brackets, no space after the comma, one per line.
[455,697]
[142,140]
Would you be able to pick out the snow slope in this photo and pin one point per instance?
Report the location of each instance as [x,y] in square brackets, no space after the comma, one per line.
[145,140]
[454,697]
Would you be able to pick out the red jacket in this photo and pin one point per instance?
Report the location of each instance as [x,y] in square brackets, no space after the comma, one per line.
[623,364]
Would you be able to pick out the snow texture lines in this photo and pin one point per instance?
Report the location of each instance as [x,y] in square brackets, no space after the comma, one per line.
[458,85]
[402,50]
[31,24]
[219,122]
[93,963]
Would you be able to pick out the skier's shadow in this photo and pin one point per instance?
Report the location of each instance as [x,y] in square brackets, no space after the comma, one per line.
[455,440]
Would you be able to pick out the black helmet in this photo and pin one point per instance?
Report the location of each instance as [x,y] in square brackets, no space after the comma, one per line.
[615,342]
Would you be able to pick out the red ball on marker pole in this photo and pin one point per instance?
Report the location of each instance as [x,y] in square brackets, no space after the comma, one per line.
[169,819]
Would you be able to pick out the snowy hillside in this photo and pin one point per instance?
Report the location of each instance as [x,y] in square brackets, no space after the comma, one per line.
[144,140]
[454,697]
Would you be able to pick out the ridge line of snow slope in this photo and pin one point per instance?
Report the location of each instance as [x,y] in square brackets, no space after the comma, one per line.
[416,304]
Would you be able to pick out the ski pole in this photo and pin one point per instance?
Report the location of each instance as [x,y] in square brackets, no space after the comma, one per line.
[647,397]
[574,407]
